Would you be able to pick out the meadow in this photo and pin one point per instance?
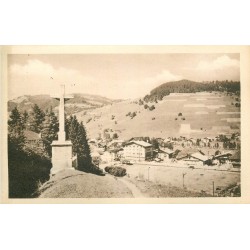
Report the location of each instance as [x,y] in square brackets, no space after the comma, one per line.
[206,114]
[196,180]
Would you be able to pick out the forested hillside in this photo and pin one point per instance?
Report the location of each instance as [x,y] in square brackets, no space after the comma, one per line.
[186,86]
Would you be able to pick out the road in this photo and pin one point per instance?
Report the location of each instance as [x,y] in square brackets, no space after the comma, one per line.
[135,191]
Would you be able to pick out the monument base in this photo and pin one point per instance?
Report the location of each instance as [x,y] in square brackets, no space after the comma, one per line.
[61,156]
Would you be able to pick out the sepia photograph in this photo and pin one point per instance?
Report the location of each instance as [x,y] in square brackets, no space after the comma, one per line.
[124,125]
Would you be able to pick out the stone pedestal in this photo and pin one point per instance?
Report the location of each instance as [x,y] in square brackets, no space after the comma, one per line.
[61,156]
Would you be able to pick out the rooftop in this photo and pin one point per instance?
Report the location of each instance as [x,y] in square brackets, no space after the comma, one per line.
[140,143]
[200,156]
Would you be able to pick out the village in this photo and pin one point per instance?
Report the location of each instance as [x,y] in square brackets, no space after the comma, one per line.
[219,153]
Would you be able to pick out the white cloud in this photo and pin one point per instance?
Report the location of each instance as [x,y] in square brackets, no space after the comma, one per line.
[37,77]
[220,63]
[143,87]
[165,76]
[33,67]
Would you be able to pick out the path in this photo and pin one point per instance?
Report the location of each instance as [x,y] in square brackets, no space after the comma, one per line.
[135,190]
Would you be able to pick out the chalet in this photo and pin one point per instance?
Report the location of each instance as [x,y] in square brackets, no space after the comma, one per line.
[138,151]
[165,153]
[236,159]
[139,138]
[222,158]
[184,153]
[196,159]
[115,144]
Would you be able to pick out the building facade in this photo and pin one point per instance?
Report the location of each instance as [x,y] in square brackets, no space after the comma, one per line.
[138,151]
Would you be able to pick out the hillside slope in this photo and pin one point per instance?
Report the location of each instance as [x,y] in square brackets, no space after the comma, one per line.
[202,114]
[80,102]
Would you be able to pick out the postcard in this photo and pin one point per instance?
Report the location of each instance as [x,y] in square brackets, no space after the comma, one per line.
[125,124]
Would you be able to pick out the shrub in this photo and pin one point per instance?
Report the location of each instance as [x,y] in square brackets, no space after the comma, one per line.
[180,114]
[141,102]
[151,108]
[116,171]
[133,115]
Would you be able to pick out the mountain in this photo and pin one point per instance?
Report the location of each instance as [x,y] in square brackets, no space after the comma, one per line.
[80,102]
[187,86]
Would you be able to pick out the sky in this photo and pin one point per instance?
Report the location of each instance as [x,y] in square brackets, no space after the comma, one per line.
[116,76]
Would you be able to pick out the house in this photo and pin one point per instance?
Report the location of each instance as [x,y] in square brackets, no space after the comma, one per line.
[165,153]
[116,153]
[115,144]
[140,138]
[195,159]
[138,151]
[183,153]
[236,159]
[222,158]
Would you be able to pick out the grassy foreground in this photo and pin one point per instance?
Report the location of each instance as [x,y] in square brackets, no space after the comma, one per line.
[77,184]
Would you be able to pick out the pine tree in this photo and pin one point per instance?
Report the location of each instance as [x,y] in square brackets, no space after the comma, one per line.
[76,132]
[15,129]
[36,119]
[84,146]
[49,130]
[25,117]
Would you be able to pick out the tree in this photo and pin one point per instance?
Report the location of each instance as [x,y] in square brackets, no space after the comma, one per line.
[141,102]
[36,119]
[49,130]
[151,107]
[155,143]
[115,136]
[25,118]
[76,132]
[15,129]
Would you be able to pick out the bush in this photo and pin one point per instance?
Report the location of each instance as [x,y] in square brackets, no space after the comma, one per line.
[180,114]
[151,108]
[133,115]
[116,171]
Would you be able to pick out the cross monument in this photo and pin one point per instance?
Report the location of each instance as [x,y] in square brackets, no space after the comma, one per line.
[61,149]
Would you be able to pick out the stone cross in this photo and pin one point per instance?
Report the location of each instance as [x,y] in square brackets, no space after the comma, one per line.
[62,98]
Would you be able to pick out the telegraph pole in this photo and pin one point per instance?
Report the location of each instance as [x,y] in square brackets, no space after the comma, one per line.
[183,175]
